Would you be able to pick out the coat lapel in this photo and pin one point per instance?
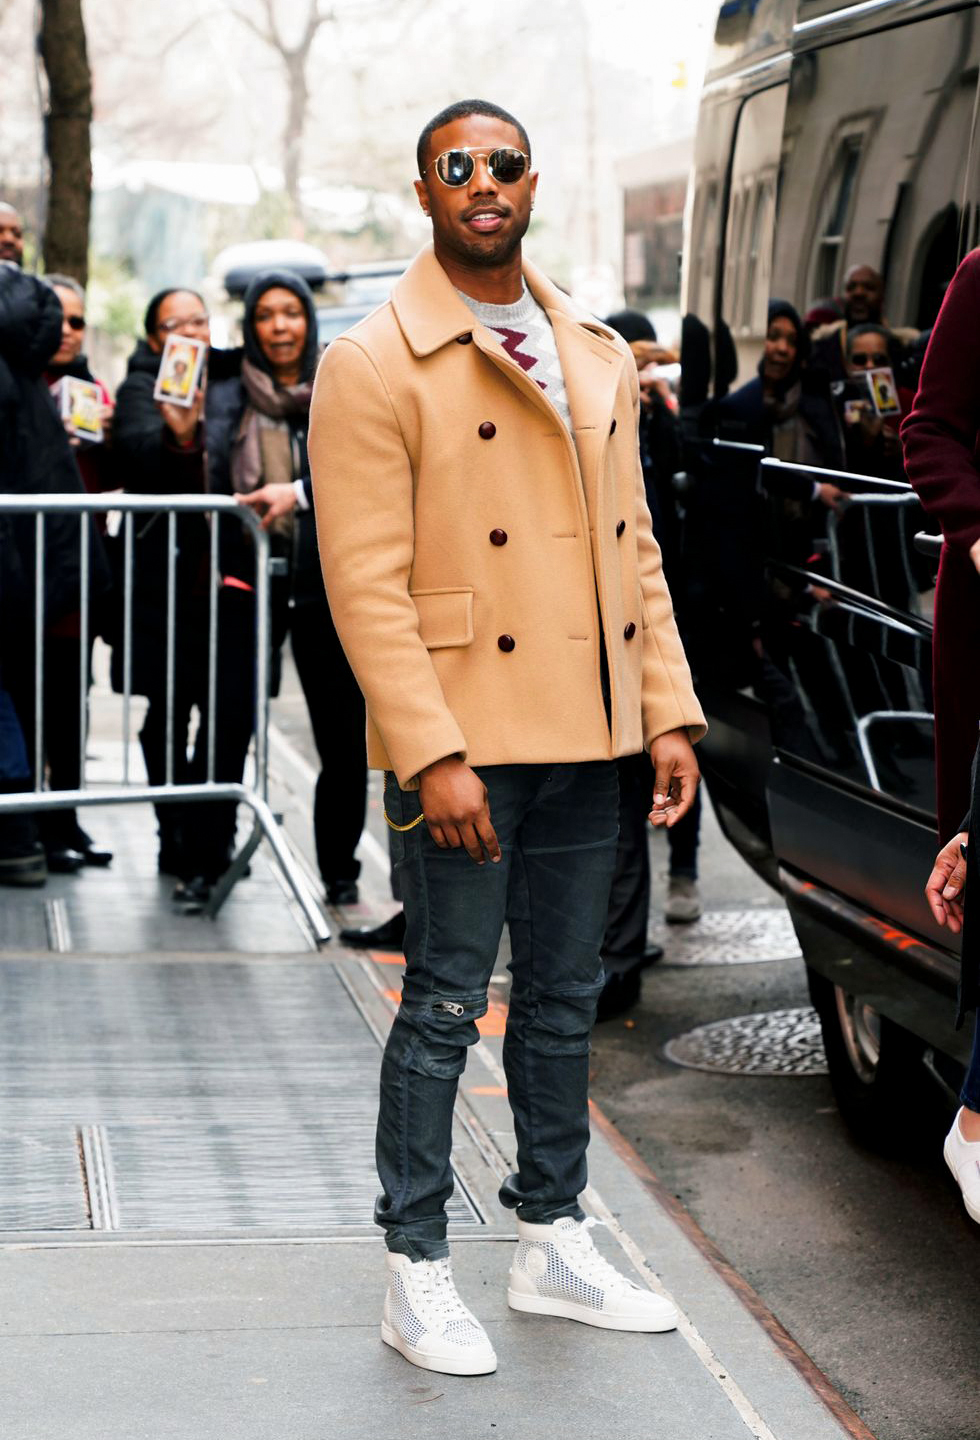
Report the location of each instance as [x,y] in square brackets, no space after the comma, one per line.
[431,315]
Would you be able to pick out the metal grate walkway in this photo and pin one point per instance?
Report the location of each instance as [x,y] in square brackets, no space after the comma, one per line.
[186,1095]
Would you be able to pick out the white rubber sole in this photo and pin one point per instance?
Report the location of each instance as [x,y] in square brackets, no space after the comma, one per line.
[448,1366]
[971,1209]
[585,1315]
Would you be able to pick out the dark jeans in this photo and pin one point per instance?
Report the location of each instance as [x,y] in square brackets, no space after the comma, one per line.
[629,898]
[557,831]
[970,1094]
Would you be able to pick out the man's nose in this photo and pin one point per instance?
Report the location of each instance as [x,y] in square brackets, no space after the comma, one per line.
[481,181]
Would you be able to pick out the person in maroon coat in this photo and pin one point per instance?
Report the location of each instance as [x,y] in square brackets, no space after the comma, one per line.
[942,461]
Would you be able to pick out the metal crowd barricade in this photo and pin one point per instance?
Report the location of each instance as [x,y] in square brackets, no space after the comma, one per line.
[255,797]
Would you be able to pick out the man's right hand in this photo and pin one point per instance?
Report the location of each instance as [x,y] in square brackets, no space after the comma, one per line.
[975,555]
[182,420]
[944,888]
[456,809]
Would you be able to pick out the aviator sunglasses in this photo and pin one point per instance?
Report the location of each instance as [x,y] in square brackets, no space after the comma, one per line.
[455,167]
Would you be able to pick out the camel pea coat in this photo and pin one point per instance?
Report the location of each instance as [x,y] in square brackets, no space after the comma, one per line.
[475,552]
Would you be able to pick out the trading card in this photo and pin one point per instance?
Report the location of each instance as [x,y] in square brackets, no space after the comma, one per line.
[884,391]
[81,408]
[180,370]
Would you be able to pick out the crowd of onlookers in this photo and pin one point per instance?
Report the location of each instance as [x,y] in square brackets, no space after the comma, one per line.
[242,433]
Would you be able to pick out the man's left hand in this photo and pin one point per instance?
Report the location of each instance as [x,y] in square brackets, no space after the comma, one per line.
[676,777]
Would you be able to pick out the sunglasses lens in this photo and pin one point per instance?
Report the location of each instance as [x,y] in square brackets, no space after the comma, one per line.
[76,322]
[507,166]
[454,167]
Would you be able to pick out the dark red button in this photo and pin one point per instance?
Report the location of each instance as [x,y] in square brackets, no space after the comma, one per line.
[466,339]
[612,428]
[487,430]
[498,537]
[506,643]
[630,631]
[620,529]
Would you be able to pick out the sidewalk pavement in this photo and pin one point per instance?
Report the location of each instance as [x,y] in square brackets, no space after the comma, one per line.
[186,1244]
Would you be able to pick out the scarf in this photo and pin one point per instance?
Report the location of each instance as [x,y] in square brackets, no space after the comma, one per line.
[262,451]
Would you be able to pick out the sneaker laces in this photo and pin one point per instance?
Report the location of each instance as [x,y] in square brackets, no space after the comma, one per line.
[585,1258]
[439,1291]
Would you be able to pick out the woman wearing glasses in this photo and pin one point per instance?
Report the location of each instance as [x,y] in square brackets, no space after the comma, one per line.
[68,847]
[870,423]
[160,449]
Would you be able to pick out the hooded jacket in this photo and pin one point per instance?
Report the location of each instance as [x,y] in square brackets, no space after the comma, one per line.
[224,408]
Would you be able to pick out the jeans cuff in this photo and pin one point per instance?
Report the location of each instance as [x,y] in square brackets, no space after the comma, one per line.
[417,1248]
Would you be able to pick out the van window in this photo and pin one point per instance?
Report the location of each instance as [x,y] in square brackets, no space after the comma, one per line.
[877,133]
[748,231]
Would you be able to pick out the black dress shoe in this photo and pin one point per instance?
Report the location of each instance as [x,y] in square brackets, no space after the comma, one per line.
[619,994]
[94,854]
[342,892]
[62,860]
[388,936]
[191,896]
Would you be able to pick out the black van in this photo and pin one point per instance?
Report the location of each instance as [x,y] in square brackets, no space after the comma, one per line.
[829,139]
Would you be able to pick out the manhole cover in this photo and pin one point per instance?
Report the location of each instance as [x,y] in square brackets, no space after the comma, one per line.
[777,1042]
[730,937]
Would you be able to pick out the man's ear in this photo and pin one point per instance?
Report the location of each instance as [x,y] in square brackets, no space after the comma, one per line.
[534,186]
[422,191]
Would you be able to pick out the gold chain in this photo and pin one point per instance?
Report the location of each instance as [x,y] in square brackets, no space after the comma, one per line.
[402,828]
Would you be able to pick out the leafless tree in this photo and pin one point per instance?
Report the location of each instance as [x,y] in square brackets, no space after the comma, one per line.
[68,123]
[295,57]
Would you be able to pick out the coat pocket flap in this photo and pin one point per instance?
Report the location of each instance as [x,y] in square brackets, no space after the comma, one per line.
[445,616]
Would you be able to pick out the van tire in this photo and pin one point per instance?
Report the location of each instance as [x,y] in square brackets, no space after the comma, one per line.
[881,1086]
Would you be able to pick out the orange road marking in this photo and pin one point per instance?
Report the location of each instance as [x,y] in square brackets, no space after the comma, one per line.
[487,1090]
[381,957]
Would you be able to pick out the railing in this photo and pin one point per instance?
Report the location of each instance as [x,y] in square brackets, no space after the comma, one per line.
[254,796]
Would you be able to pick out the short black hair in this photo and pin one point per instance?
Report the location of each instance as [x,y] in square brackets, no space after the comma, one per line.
[459,111]
[153,309]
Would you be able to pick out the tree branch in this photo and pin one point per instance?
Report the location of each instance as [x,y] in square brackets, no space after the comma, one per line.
[265,35]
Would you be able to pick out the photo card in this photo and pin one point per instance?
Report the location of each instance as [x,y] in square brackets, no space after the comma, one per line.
[81,408]
[180,370]
[884,391]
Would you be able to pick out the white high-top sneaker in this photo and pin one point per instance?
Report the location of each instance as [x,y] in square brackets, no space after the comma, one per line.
[963,1158]
[558,1271]
[426,1321]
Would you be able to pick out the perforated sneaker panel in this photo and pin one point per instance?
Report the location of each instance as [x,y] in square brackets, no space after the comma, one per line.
[558,1282]
[402,1313]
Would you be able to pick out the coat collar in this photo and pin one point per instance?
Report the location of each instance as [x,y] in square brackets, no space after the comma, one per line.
[431,314]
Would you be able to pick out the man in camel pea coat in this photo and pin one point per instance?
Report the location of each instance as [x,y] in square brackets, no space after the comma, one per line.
[493,577]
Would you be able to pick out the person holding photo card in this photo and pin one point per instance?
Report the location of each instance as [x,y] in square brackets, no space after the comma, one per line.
[160,448]
[67,845]
[872,415]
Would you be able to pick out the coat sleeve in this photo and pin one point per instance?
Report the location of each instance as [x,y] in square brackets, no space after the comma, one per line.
[363,494]
[668,699]
[940,435]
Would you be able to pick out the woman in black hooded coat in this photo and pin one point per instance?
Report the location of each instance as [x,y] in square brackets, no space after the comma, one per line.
[256,427]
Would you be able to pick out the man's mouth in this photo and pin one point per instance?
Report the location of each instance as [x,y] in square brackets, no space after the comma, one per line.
[485,221]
